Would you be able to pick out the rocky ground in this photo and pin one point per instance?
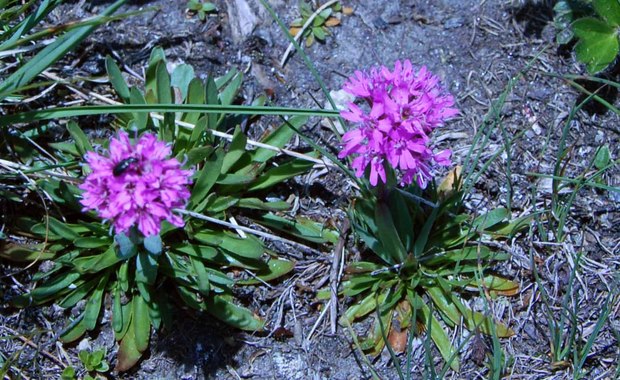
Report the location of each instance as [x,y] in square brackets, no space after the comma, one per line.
[482,50]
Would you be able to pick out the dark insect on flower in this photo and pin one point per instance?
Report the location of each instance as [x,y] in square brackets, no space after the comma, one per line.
[123,165]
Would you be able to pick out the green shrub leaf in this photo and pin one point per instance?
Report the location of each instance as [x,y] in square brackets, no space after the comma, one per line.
[234,315]
[116,79]
[598,44]
[608,10]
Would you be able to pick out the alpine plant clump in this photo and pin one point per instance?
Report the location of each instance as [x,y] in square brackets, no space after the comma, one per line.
[404,106]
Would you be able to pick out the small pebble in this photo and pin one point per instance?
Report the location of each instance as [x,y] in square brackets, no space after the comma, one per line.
[453,23]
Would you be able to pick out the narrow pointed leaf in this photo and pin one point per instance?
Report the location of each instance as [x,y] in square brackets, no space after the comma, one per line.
[233,315]
[116,79]
[439,336]
[141,323]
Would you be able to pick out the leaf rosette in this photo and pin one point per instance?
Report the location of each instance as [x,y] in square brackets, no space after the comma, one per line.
[198,264]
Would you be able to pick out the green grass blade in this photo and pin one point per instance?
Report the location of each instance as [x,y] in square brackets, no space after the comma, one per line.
[29,22]
[50,54]
[63,112]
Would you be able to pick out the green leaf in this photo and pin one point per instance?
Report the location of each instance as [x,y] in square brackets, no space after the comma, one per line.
[97,357]
[126,247]
[140,119]
[218,204]
[93,306]
[249,247]
[92,242]
[229,93]
[602,158]
[141,323]
[357,284]
[162,80]
[153,244]
[449,312]
[235,179]
[181,78]
[491,218]
[117,311]
[199,154]
[159,311]
[302,228]
[68,374]
[278,138]
[81,141]
[509,229]
[84,357]
[257,204]
[128,353]
[202,277]
[276,268]
[211,92]
[116,79]
[74,331]
[207,176]
[598,45]
[325,13]
[363,307]
[369,237]
[24,253]
[562,18]
[375,342]
[439,336]
[281,173]
[193,5]
[609,10]
[236,316]
[388,235]
[235,151]
[319,20]
[78,294]
[54,286]
[195,95]
[208,7]
[456,256]
[157,55]
[96,263]
[200,251]
[495,284]
[319,33]
[61,229]
[127,311]
[146,268]
[190,298]
[477,321]
[424,234]
[401,215]
[361,267]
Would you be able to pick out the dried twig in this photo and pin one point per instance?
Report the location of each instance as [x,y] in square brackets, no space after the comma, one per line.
[335,274]
[30,343]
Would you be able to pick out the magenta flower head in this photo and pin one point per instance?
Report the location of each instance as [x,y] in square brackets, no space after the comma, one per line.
[402,109]
[136,185]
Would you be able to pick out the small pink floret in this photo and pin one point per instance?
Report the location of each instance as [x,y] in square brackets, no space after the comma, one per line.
[404,106]
[145,193]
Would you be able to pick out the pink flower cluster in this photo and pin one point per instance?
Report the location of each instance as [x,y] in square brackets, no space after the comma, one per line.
[136,184]
[404,107]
